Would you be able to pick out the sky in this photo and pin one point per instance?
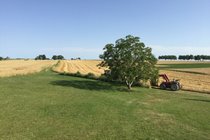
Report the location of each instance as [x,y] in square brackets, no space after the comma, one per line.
[81,28]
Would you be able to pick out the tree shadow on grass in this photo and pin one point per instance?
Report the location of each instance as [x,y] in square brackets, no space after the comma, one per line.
[199,100]
[89,85]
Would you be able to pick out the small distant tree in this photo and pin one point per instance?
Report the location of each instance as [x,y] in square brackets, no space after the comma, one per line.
[7,58]
[186,57]
[1,58]
[60,57]
[57,57]
[54,57]
[168,57]
[197,57]
[41,57]
[129,60]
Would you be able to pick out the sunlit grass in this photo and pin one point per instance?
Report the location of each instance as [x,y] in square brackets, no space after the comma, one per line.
[52,106]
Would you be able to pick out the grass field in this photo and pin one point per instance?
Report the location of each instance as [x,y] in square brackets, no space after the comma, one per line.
[50,106]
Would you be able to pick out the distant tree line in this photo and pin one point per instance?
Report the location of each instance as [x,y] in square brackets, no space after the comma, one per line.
[58,57]
[40,57]
[54,57]
[78,58]
[185,57]
[170,57]
[6,58]
[202,57]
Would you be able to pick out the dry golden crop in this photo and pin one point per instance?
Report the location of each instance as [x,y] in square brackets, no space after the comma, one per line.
[83,66]
[22,67]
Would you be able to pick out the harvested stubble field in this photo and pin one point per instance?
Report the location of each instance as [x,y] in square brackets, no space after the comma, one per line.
[23,67]
[194,75]
[83,66]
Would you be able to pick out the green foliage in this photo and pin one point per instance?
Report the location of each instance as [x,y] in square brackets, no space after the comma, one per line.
[7,58]
[202,57]
[186,57]
[78,58]
[128,60]
[1,58]
[154,78]
[78,74]
[91,76]
[196,57]
[41,57]
[57,57]
[168,57]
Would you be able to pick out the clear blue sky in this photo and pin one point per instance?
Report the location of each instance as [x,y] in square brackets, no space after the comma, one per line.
[81,28]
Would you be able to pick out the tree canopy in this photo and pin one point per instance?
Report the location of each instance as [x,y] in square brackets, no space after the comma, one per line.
[129,60]
[57,57]
[41,57]
[168,57]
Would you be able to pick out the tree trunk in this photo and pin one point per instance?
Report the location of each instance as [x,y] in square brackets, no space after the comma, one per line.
[129,84]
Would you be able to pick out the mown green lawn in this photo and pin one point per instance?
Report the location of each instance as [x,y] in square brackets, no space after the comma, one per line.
[57,107]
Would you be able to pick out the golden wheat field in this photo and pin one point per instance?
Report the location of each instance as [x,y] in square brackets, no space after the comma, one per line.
[83,66]
[22,67]
[190,81]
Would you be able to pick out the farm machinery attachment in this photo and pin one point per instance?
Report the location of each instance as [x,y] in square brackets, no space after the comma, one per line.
[174,85]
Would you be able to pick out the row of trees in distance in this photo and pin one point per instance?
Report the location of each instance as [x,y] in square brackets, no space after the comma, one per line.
[54,57]
[2,58]
[41,57]
[185,57]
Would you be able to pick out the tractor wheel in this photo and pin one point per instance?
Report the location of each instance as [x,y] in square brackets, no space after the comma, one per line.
[163,86]
[175,87]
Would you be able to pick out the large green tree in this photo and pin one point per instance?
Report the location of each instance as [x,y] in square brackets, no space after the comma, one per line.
[129,60]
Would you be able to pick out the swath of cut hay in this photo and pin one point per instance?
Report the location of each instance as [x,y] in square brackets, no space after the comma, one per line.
[196,70]
[23,67]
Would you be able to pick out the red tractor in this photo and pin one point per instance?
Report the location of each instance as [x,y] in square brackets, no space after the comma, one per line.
[174,85]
